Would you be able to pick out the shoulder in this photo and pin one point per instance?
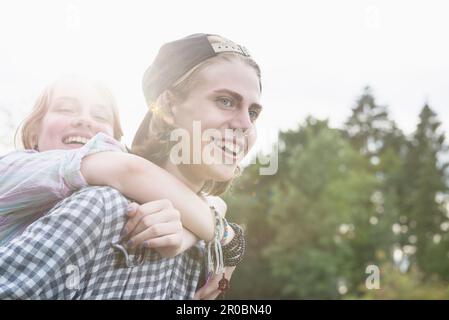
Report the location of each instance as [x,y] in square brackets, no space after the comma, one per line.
[103,142]
[18,154]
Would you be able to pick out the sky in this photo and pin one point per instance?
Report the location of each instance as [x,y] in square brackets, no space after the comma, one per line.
[315,56]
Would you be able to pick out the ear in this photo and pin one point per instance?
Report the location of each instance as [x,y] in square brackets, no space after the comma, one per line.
[169,106]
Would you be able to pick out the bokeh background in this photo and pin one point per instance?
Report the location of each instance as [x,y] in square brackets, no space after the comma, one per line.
[356,100]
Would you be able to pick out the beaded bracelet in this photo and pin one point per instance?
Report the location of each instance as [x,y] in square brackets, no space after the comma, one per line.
[234,251]
[226,231]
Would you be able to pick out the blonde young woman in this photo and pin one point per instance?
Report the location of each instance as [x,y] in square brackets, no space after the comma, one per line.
[210,88]
[191,79]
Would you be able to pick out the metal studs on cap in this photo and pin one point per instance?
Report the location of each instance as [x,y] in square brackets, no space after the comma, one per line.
[230,47]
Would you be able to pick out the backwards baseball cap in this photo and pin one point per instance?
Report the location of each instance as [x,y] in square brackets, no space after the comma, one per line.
[178,57]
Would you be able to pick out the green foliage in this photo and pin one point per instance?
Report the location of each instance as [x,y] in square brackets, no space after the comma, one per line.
[340,201]
[248,201]
[411,285]
[328,186]
[425,181]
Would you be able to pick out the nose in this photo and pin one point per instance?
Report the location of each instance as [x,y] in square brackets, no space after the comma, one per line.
[242,121]
[83,120]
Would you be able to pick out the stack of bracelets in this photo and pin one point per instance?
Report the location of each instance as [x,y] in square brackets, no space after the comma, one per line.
[219,255]
[233,251]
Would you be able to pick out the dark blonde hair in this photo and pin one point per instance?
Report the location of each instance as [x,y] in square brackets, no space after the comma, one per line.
[157,145]
[26,131]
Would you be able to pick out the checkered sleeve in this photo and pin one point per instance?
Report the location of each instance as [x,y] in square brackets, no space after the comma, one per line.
[58,248]
[71,253]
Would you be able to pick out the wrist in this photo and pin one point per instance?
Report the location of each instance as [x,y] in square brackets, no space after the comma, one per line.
[228,234]
[234,251]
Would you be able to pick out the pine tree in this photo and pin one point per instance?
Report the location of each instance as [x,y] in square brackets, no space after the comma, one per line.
[425,171]
[376,137]
[369,128]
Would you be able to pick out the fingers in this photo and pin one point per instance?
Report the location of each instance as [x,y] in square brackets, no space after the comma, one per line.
[150,220]
[210,290]
[131,211]
[171,240]
[149,208]
[158,235]
[133,207]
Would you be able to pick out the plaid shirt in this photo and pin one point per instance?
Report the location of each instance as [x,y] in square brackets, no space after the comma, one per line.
[71,253]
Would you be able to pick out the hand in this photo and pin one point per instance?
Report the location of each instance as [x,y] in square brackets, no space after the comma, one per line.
[210,290]
[155,224]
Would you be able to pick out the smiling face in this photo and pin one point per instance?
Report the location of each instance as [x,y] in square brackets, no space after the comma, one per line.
[226,97]
[76,112]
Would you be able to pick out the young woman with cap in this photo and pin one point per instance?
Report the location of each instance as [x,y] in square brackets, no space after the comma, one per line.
[210,82]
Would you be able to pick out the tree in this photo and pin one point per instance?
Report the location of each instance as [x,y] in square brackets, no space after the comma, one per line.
[425,172]
[319,213]
[248,202]
[331,209]
[369,128]
[376,137]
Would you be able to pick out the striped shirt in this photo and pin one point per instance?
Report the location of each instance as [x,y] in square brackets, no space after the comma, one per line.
[32,182]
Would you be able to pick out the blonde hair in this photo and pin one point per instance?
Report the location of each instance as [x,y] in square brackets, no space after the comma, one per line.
[157,146]
[26,131]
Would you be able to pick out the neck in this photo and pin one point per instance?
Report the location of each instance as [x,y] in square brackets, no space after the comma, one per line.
[180,172]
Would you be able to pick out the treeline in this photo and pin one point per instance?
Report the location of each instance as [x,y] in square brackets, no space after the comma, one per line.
[344,199]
